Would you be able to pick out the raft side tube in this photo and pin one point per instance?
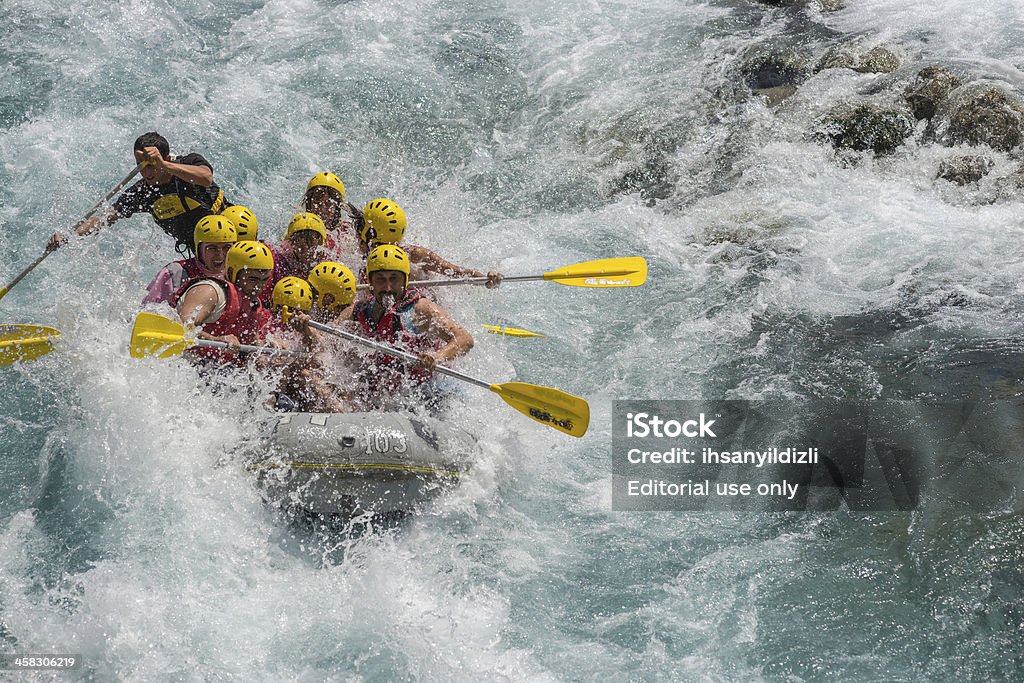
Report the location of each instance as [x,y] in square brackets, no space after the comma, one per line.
[345,463]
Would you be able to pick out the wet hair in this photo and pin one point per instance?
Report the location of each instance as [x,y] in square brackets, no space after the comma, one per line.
[335,196]
[357,215]
[153,139]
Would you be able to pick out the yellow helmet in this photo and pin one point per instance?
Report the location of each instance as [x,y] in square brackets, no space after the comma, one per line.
[306,221]
[335,279]
[249,254]
[388,257]
[212,229]
[245,222]
[293,292]
[327,179]
[383,222]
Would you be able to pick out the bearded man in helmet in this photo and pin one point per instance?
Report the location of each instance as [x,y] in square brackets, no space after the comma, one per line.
[405,319]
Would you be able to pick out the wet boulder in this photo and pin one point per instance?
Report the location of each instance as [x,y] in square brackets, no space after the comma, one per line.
[773,70]
[877,60]
[963,170]
[1013,184]
[865,127]
[982,113]
[929,89]
[857,56]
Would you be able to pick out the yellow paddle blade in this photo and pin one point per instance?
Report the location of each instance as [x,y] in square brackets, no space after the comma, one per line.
[564,412]
[155,335]
[510,331]
[625,271]
[25,342]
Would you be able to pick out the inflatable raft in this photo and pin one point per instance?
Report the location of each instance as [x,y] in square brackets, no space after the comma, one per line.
[350,463]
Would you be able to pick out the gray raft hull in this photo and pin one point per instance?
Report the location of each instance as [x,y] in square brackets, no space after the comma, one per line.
[350,463]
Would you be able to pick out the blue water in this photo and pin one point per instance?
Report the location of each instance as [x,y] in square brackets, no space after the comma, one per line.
[521,137]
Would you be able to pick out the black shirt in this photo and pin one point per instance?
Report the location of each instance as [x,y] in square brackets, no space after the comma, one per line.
[177,206]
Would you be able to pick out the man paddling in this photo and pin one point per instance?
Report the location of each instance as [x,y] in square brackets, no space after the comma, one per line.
[405,319]
[176,191]
[323,384]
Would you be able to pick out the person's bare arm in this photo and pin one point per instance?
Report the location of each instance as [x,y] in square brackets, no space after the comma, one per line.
[196,175]
[86,227]
[432,262]
[436,322]
[196,307]
[93,224]
[310,337]
[190,173]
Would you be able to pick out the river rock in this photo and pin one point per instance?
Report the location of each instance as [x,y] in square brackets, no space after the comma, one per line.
[930,88]
[865,127]
[965,169]
[1012,184]
[982,113]
[878,60]
[854,55]
[773,70]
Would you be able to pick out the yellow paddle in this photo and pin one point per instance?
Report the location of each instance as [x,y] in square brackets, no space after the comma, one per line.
[25,342]
[554,408]
[606,273]
[510,331]
[155,335]
[87,216]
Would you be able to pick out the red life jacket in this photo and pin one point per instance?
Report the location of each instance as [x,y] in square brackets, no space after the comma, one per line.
[241,318]
[191,267]
[190,270]
[330,246]
[342,230]
[392,329]
[266,295]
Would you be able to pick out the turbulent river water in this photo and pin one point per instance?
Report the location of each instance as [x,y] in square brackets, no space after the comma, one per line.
[523,137]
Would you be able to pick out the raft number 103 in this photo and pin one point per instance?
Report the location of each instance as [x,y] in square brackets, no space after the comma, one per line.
[385,441]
